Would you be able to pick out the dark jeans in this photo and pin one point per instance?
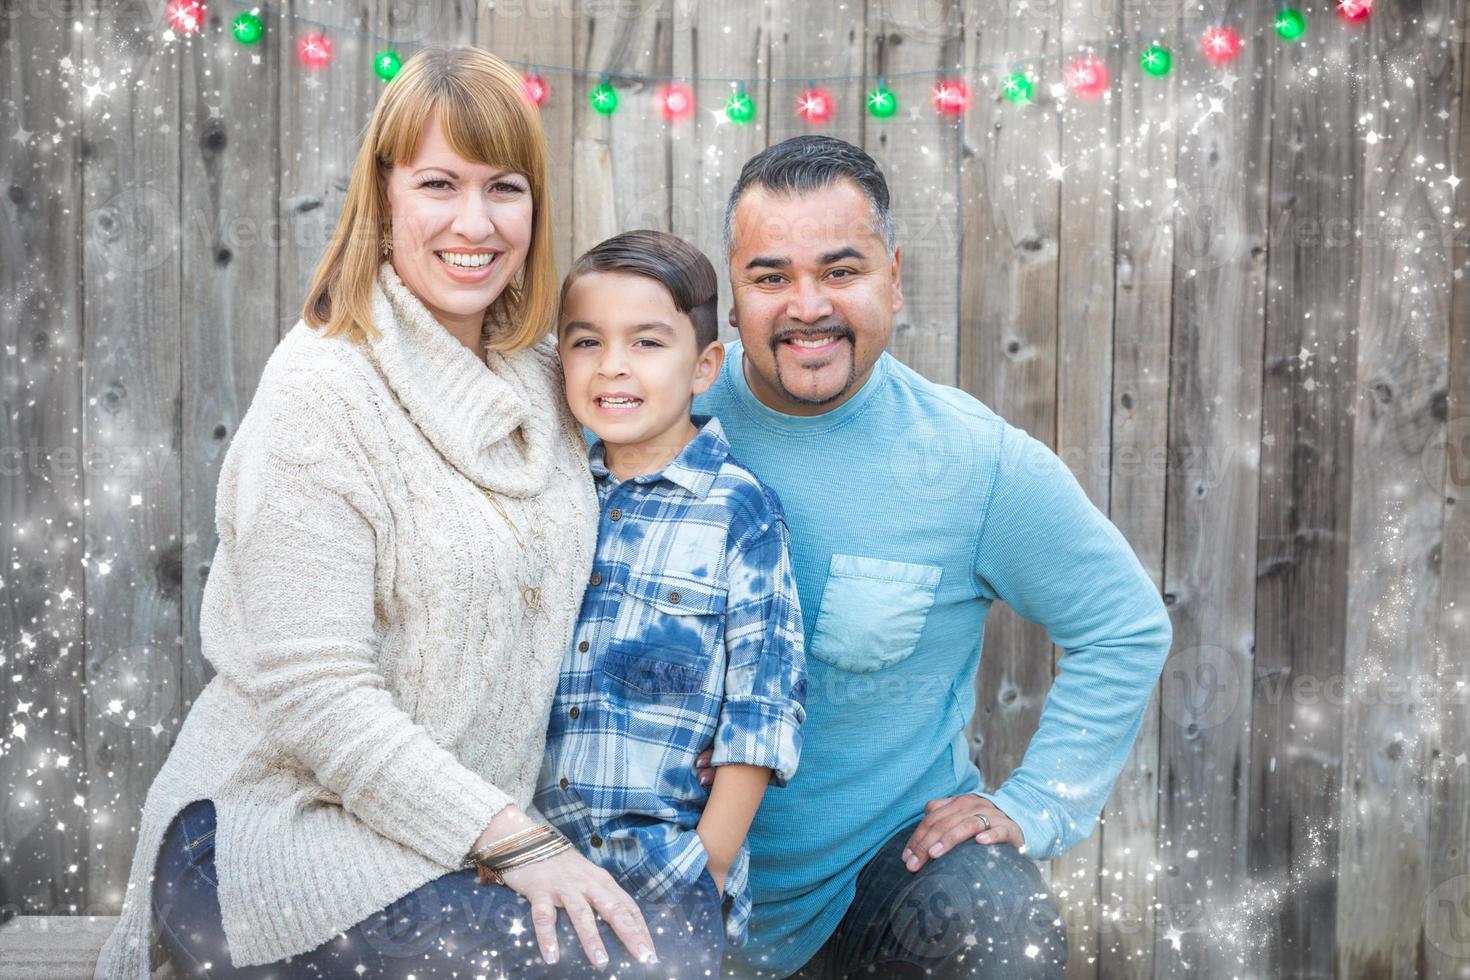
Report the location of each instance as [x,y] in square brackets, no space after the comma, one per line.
[980,911]
[451,927]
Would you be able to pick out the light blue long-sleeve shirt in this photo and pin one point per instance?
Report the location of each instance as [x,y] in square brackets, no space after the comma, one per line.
[912,507]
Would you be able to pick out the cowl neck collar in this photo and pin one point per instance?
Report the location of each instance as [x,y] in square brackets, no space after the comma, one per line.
[494,421]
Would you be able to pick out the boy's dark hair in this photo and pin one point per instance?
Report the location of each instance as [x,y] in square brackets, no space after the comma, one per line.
[668,260]
[808,163]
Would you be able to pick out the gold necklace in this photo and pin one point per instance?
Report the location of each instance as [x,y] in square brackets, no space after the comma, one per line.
[495,502]
[530,594]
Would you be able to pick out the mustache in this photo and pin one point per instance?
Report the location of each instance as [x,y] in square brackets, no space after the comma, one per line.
[826,328]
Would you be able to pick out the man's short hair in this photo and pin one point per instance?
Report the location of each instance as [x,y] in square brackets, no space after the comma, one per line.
[808,163]
[682,269]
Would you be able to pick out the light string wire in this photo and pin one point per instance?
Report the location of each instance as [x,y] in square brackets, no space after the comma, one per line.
[1188,30]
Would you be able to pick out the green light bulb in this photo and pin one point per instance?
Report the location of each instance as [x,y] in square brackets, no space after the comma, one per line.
[604,99]
[882,103]
[1156,60]
[247,28]
[386,65]
[1291,24]
[1018,88]
[740,108]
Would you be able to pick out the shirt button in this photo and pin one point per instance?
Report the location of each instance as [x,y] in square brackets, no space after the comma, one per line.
[674,597]
[564,783]
[583,646]
[614,514]
[596,578]
[575,711]
[595,840]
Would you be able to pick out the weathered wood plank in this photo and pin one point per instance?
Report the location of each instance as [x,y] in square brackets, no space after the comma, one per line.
[1008,323]
[1143,273]
[406,25]
[715,40]
[230,186]
[132,301]
[811,44]
[919,151]
[1447,905]
[1085,311]
[622,175]
[1212,502]
[540,34]
[1393,582]
[1308,390]
[42,591]
[314,168]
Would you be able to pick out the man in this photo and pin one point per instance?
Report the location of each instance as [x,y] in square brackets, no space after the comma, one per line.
[912,509]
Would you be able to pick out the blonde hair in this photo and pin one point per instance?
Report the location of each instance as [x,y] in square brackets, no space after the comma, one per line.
[486,117]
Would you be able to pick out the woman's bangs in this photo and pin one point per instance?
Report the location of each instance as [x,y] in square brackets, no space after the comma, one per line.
[484,125]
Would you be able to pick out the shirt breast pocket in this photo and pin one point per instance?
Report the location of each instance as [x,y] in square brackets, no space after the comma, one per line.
[872,612]
[669,625]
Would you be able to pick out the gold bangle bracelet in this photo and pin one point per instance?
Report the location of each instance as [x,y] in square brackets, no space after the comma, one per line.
[505,844]
[531,857]
[502,854]
[494,875]
[518,837]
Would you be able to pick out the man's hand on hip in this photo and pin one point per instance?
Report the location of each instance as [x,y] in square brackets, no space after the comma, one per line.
[950,820]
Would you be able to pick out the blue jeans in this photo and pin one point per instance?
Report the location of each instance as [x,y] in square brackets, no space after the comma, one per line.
[980,911]
[450,927]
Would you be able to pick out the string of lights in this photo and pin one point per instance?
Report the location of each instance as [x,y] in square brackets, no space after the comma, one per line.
[1086,76]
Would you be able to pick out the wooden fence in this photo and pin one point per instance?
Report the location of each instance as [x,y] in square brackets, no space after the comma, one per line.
[1234,299]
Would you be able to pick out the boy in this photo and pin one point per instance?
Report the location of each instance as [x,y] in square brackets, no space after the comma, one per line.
[690,633]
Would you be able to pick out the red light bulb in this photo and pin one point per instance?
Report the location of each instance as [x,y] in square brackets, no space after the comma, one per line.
[676,101]
[315,50]
[815,105]
[1087,77]
[186,16]
[536,90]
[1220,44]
[951,97]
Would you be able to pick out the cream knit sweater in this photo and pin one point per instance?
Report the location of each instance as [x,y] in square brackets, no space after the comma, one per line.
[387,639]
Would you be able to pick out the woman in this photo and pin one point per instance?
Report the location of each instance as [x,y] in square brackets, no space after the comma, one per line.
[406,524]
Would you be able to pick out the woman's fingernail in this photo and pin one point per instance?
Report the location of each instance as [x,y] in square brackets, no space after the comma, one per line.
[936,850]
[645,954]
[908,855]
[600,958]
[551,955]
[912,862]
[985,838]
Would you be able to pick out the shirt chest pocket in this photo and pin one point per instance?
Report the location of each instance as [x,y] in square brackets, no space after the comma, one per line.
[872,612]
[668,626]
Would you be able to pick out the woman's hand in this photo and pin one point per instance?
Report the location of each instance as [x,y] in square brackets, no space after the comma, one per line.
[572,882]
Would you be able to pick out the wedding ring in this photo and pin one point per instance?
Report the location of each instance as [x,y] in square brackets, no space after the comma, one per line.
[984,819]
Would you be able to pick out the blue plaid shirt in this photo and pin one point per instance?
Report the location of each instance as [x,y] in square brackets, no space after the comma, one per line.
[690,636]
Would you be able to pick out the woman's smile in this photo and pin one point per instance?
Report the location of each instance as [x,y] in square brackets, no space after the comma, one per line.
[465,266]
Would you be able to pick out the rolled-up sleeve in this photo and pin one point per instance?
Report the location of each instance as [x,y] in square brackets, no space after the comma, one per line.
[765,675]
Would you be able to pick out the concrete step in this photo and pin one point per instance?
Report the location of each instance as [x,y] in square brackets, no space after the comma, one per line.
[58,947]
[52,947]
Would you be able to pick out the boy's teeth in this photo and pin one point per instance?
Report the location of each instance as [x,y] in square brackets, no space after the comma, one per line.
[467,261]
[618,402]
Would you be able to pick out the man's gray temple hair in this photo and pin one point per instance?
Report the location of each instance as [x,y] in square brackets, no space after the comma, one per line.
[809,163]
